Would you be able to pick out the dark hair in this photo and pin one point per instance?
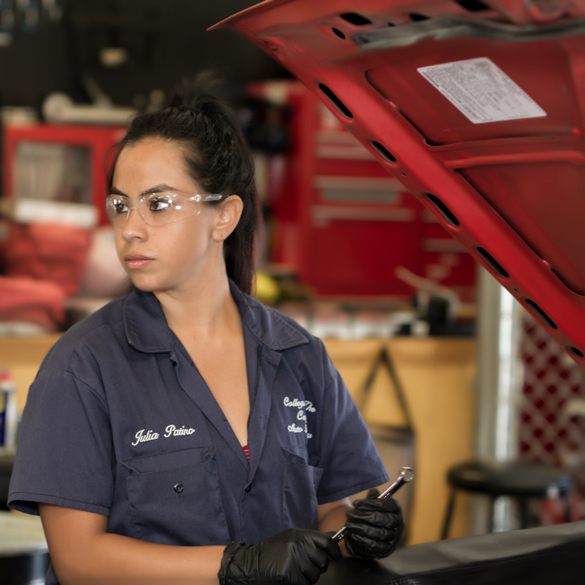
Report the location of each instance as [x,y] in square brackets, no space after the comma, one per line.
[217,157]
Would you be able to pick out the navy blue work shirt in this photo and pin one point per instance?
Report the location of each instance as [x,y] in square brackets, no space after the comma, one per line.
[119,422]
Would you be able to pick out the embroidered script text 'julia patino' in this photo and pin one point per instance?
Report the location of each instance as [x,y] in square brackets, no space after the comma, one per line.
[170,431]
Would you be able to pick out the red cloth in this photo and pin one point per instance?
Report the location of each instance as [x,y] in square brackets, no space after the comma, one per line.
[247,451]
[33,301]
[47,251]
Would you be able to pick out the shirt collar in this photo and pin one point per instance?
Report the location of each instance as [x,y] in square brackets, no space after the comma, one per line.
[271,328]
[147,330]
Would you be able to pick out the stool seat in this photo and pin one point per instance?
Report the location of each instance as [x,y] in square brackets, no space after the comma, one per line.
[510,478]
[518,479]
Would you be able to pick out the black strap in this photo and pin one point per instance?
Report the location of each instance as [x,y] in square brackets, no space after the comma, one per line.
[384,360]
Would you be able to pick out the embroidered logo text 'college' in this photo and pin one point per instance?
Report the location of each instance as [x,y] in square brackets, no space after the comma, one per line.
[301,414]
[170,431]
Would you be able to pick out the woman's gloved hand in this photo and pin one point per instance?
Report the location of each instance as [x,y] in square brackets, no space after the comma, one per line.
[375,527]
[293,557]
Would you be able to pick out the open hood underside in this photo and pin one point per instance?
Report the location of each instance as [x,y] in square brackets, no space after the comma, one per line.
[477,108]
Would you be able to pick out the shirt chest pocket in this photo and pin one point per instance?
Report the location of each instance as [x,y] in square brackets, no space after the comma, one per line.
[174,498]
[301,482]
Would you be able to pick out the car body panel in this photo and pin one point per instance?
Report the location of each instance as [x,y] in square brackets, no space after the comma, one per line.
[477,108]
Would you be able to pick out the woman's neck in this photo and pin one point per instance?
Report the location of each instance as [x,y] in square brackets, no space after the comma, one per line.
[203,310]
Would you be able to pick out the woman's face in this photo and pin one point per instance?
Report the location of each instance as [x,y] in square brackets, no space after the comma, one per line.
[172,256]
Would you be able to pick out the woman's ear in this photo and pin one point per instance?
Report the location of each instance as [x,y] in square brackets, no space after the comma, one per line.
[227,218]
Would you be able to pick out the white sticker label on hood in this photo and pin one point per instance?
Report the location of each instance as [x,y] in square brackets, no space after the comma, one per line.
[481,91]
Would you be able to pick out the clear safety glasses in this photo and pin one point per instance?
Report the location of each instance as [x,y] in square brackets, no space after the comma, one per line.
[156,208]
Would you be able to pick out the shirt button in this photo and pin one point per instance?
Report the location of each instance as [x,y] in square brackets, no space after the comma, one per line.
[178,487]
[247,490]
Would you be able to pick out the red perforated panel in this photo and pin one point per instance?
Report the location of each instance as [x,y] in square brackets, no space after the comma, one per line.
[552,415]
[551,430]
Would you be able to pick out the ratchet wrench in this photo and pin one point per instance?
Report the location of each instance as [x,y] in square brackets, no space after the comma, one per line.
[406,475]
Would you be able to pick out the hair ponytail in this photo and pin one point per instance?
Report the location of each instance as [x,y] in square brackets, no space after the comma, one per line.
[217,157]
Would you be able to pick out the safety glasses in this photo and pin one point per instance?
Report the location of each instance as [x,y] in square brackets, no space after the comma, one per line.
[156,208]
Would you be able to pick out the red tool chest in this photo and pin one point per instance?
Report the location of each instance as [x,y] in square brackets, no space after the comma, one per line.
[58,162]
[341,221]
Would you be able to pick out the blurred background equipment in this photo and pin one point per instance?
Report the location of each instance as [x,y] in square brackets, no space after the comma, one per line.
[47,251]
[8,410]
[103,275]
[128,47]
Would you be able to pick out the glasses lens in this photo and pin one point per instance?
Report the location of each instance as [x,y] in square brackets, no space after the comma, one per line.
[165,207]
[116,208]
[155,209]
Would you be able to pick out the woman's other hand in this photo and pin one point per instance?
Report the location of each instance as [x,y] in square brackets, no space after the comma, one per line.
[375,527]
[293,557]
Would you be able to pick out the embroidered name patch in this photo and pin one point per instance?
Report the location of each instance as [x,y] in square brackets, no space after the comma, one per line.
[170,431]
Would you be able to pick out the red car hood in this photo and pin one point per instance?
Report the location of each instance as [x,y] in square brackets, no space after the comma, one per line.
[477,108]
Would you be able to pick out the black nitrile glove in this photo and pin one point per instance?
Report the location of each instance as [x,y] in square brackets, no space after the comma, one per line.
[375,527]
[293,557]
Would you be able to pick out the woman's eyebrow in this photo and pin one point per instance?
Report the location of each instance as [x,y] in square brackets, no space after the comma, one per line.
[155,189]
[114,191]
[158,189]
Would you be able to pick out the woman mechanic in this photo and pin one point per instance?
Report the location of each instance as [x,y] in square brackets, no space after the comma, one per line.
[186,433]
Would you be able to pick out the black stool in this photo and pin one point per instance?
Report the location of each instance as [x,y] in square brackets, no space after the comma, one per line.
[24,554]
[516,479]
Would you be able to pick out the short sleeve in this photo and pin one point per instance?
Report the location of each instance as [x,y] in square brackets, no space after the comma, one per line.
[346,451]
[64,454]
